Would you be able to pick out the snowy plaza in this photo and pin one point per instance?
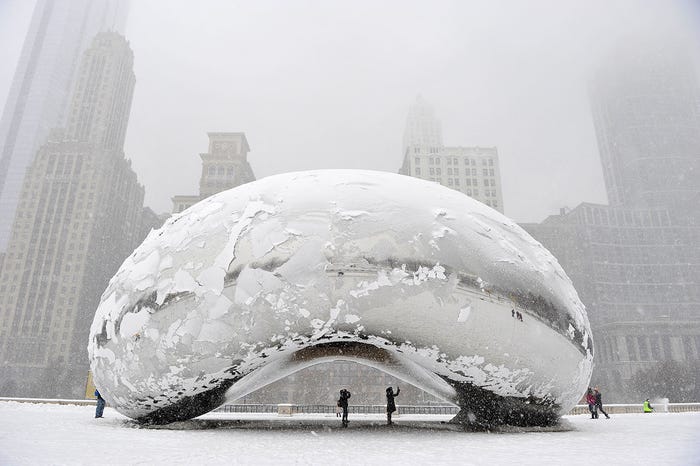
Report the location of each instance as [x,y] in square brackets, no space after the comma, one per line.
[39,434]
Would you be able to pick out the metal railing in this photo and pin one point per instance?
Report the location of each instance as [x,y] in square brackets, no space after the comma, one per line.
[380,409]
[330,409]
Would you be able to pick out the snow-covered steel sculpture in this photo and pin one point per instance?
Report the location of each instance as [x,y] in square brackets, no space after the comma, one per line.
[410,277]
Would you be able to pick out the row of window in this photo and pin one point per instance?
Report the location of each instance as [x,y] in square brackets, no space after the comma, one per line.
[214,170]
[457,172]
[453,161]
[649,348]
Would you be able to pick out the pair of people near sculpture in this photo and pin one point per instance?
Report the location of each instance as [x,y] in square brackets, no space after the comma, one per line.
[595,403]
[390,404]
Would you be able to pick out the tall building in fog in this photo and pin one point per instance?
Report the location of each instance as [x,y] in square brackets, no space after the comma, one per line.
[60,30]
[80,214]
[474,171]
[646,109]
[636,262]
[225,166]
[422,127]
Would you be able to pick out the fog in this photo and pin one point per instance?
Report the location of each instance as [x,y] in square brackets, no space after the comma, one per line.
[328,85]
[316,84]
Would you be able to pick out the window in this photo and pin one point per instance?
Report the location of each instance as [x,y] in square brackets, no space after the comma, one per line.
[491,162]
[486,171]
[491,172]
[456,181]
[450,182]
[431,161]
[417,170]
[643,344]
[417,160]
[438,171]
[432,171]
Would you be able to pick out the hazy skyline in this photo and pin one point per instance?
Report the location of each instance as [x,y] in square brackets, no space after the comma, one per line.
[328,85]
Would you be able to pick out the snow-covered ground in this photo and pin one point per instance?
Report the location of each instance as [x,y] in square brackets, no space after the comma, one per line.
[37,434]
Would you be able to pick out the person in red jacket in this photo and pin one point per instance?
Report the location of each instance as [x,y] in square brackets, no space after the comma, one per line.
[590,399]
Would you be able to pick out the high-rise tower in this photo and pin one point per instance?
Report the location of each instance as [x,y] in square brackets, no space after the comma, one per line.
[646,110]
[475,171]
[636,263]
[422,127]
[79,216]
[59,32]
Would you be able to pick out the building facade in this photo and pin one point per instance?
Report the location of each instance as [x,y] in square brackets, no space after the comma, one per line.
[225,166]
[59,31]
[646,111]
[636,262]
[638,273]
[474,171]
[80,215]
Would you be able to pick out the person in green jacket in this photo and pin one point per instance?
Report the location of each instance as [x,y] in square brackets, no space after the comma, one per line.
[647,406]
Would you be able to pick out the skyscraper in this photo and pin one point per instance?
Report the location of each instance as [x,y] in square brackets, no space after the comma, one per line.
[79,216]
[422,127]
[475,171]
[59,32]
[636,262]
[646,111]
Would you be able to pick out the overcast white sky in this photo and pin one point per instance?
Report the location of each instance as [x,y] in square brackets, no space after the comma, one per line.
[321,84]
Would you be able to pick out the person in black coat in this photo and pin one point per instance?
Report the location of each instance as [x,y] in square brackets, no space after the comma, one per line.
[390,405]
[343,403]
[599,402]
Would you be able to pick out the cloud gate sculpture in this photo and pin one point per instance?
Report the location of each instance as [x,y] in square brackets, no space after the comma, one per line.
[410,277]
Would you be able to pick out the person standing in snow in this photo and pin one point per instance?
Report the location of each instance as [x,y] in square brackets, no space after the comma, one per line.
[590,399]
[100,404]
[343,403]
[647,406]
[599,402]
[390,405]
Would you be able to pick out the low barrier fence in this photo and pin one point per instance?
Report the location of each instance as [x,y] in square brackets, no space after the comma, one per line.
[637,408]
[291,409]
[331,409]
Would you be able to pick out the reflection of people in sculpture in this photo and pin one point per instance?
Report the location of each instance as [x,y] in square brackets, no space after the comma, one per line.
[390,405]
[343,403]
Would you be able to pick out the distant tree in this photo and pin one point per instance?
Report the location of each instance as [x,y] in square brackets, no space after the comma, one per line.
[679,382]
